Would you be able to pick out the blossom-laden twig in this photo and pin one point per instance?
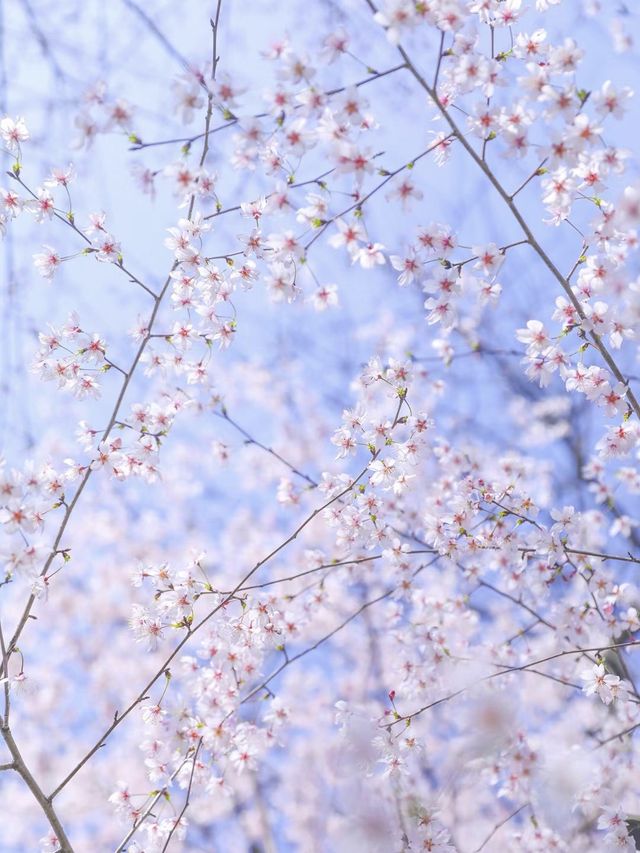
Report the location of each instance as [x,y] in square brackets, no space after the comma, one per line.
[427,604]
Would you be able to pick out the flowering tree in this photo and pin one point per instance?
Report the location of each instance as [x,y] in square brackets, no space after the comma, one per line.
[319,505]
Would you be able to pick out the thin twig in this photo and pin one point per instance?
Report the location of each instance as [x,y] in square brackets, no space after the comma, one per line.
[506,671]
[156,798]
[187,798]
[251,440]
[499,826]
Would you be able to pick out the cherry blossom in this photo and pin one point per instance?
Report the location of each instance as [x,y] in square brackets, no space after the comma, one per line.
[318,501]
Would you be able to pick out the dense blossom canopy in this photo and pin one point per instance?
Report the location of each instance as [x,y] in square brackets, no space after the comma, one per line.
[321,421]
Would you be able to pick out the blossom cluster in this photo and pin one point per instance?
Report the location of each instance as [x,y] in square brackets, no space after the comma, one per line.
[317,552]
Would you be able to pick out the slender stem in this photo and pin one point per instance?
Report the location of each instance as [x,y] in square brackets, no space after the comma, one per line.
[388,177]
[529,179]
[187,798]
[499,826]
[156,798]
[362,609]
[289,660]
[621,734]
[70,223]
[509,669]
[517,601]
[336,565]
[251,440]
[136,280]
